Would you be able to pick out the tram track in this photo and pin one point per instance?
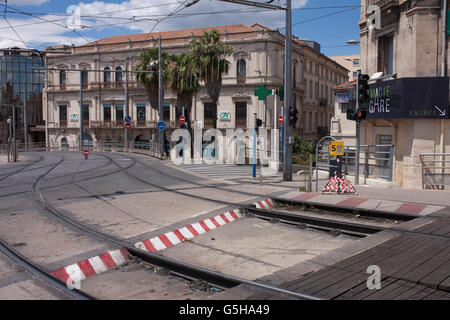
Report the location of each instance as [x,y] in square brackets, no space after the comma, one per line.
[175,266]
[179,267]
[32,267]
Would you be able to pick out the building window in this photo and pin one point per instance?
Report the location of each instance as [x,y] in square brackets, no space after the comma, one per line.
[386,55]
[355,74]
[356,62]
[62,79]
[85,114]
[310,89]
[166,112]
[107,112]
[208,111]
[107,75]
[241,70]
[294,76]
[119,113]
[119,74]
[140,112]
[241,114]
[84,78]
[63,116]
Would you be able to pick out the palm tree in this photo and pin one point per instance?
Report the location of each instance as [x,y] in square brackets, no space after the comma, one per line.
[148,61]
[183,79]
[209,54]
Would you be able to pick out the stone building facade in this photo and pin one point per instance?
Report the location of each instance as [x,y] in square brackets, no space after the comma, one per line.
[257,58]
[408,44]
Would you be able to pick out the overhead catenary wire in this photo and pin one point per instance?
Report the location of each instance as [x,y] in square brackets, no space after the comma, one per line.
[132,19]
[14,30]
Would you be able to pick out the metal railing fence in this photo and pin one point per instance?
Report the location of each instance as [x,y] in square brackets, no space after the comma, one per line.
[150,148]
[435,170]
[374,160]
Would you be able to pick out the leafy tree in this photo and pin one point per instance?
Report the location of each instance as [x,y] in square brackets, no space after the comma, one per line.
[301,151]
[209,55]
[183,78]
[148,61]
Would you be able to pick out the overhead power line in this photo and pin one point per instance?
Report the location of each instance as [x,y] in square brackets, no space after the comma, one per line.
[132,19]
[14,30]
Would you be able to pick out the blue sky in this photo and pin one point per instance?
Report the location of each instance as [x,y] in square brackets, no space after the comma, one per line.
[331,31]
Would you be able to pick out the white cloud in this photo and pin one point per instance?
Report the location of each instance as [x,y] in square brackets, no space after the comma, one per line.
[47,33]
[36,35]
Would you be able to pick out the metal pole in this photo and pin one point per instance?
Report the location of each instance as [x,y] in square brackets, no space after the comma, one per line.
[182,113]
[310,173]
[444,39]
[254,146]
[25,122]
[9,138]
[126,102]
[275,118]
[358,126]
[47,142]
[160,95]
[81,109]
[14,133]
[287,148]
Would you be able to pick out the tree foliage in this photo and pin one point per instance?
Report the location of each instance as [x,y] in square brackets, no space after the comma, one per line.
[209,55]
[148,61]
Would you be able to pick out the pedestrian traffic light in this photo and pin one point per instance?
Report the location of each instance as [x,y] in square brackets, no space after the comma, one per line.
[293,116]
[363,88]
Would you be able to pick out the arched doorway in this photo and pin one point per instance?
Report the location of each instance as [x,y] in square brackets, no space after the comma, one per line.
[107,144]
[87,140]
[64,144]
[141,142]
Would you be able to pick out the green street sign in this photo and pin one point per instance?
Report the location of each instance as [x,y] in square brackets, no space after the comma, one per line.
[262,92]
[448,23]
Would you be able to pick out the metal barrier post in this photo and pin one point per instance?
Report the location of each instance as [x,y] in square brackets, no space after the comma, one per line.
[391,162]
[366,164]
[310,173]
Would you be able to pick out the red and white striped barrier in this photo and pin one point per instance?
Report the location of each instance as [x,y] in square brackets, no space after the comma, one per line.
[264,204]
[176,236]
[76,272]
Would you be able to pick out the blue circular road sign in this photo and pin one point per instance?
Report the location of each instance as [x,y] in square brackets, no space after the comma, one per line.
[161,125]
[127,119]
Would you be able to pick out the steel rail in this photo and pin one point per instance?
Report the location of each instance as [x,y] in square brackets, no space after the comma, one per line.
[363,212]
[315,221]
[35,269]
[197,272]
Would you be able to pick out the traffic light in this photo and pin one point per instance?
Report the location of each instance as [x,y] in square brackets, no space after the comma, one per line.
[363,88]
[361,114]
[258,123]
[351,114]
[293,116]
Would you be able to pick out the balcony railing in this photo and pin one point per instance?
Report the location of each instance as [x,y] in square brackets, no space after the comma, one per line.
[62,123]
[382,3]
[240,79]
[240,123]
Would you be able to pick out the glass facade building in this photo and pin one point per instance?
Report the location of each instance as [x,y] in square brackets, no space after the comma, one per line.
[19,80]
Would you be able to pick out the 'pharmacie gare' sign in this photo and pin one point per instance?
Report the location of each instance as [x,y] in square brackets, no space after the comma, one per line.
[425,97]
